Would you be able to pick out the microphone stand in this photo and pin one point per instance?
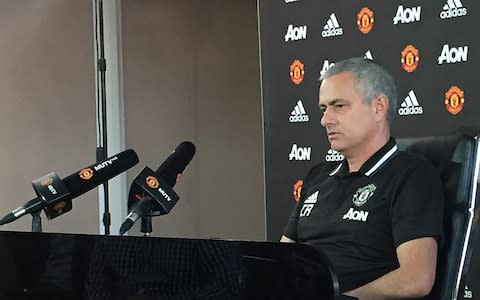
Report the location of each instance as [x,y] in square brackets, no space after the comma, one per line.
[36,221]
[102,104]
[146,225]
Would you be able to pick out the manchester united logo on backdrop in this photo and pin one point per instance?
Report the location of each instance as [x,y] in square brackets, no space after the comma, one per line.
[297,71]
[363,194]
[297,190]
[409,58]
[365,20]
[454,99]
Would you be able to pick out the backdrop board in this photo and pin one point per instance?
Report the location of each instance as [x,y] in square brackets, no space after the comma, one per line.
[430,47]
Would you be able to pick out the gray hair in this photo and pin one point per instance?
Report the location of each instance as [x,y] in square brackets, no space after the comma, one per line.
[372,79]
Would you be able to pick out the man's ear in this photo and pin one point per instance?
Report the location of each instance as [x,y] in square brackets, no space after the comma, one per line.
[380,107]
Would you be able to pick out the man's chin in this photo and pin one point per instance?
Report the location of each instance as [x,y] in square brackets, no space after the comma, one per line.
[335,147]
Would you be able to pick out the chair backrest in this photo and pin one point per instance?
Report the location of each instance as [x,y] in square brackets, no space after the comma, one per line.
[457,159]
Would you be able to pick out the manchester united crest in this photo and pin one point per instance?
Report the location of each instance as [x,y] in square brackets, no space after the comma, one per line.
[454,100]
[152,182]
[365,20]
[86,173]
[297,71]
[46,181]
[297,190]
[409,58]
[362,195]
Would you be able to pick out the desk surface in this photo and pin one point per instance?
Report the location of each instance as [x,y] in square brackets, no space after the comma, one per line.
[75,266]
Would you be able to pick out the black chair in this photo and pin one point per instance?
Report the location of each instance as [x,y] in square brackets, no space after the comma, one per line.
[457,158]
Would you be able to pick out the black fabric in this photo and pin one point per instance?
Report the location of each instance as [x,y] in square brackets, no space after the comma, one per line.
[400,200]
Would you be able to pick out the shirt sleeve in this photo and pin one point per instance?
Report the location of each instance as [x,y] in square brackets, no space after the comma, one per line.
[290,230]
[418,208]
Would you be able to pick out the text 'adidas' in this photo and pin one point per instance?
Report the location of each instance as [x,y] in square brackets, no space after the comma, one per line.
[453,9]
[410,105]
[332,28]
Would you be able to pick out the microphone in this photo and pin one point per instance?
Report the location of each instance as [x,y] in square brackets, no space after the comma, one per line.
[176,163]
[157,186]
[80,182]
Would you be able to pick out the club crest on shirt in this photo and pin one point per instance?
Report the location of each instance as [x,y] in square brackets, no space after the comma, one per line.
[362,195]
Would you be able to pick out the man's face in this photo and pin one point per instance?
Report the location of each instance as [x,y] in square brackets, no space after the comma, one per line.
[349,122]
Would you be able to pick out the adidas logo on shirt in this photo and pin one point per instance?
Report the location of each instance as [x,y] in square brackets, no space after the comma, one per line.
[410,105]
[368,55]
[298,113]
[312,198]
[308,205]
[333,155]
[332,28]
[453,9]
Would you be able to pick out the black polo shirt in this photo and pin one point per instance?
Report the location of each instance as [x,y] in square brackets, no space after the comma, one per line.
[358,219]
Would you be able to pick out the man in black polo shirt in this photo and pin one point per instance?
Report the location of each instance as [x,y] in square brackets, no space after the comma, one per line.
[377,214]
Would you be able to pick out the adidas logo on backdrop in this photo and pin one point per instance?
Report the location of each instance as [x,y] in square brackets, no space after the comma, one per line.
[453,9]
[410,105]
[368,55]
[326,66]
[332,28]
[298,113]
[333,155]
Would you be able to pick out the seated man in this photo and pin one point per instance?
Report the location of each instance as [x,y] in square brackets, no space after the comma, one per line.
[378,214]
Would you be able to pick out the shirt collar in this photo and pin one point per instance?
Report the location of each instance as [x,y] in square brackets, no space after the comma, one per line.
[374,163]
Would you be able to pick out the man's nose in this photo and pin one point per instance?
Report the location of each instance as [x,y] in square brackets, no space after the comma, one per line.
[326,118]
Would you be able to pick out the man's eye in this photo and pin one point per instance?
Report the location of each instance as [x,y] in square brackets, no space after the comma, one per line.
[323,109]
[339,105]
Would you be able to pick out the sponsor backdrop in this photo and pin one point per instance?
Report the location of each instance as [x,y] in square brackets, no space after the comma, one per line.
[429,46]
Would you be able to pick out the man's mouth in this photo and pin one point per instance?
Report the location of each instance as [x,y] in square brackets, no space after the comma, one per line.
[332,134]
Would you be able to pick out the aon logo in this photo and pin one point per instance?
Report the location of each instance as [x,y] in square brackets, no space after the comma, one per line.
[407,15]
[356,215]
[296,33]
[300,153]
[453,54]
